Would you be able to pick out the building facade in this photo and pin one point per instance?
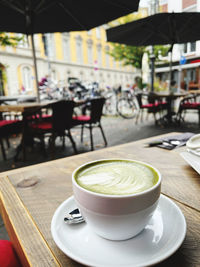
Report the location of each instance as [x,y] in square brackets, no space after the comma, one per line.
[186,57]
[83,55]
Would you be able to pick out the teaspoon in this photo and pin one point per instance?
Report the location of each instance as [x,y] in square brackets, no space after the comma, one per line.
[74,217]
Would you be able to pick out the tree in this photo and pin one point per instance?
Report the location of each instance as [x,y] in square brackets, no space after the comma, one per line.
[160,50]
[128,55]
[6,40]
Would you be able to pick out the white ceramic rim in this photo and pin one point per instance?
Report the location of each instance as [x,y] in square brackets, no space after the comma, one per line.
[190,144]
[116,196]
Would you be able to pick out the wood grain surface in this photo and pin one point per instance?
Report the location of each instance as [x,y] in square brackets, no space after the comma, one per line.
[25,107]
[38,190]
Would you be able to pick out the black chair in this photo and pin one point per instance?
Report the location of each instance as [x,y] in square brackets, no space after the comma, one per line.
[59,124]
[7,128]
[92,120]
[148,102]
[188,103]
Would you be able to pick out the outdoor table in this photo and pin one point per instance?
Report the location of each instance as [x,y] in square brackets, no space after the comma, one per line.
[169,98]
[4,99]
[30,196]
[26,109]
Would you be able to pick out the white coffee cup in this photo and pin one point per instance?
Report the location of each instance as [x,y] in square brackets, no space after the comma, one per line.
[116,217]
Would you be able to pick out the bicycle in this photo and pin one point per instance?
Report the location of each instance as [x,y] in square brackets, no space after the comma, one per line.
[127,104]
[110,103]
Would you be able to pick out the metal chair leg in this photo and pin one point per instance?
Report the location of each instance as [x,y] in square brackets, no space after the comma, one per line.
[199,116]
[72,141]
[52,145]
[3,150]
[91,138]
[104,138]
[42,142]
[82,128]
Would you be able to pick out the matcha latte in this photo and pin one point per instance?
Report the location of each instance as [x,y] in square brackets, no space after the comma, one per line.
[116,177]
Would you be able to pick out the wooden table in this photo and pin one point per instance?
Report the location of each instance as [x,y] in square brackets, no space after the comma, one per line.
[27,211]
[26,109]
[21,98]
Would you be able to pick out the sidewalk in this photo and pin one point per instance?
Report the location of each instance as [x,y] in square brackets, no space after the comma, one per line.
[117,131]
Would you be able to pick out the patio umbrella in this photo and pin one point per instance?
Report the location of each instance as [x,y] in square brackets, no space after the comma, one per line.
[47,16]
[158,29]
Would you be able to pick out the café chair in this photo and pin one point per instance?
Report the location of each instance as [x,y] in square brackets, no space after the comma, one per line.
[57,125]
[188,103]
[147,102]
[7,128]
[8,255]
[92,120]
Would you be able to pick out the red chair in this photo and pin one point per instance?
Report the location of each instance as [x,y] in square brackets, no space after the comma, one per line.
[188,103]
[8,256]
[152,105]
[92,120]
[7,128]
[59,124]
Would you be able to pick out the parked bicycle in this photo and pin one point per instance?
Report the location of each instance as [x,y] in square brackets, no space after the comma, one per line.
[127,104]
[111,95]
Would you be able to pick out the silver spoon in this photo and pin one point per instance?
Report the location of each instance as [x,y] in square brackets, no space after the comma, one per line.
[74,217]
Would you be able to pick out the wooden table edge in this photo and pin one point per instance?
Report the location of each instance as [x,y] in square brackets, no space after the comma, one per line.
[9,196]
[142,141]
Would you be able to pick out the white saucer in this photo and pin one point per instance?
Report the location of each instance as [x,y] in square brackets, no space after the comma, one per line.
[160,239]
[194,142]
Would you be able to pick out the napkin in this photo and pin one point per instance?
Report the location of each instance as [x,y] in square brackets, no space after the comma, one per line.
[172,142]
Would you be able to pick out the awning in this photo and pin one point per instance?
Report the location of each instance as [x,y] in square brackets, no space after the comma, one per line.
[178,67]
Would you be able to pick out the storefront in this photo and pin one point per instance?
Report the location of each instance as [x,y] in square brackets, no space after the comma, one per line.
[187,76]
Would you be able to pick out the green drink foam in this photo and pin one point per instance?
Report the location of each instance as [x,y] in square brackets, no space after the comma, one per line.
[116,177]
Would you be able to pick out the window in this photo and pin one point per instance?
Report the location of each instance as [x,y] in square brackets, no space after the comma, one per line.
[27,78]
[50,38]
[193,46]
[189,47]
[185,48]
[89,51]
[66,47]
[79,52]
[99,55]
[44,40]
[107,56]
[48,42]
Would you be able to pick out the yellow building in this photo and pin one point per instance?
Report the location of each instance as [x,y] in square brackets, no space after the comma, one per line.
[62,55]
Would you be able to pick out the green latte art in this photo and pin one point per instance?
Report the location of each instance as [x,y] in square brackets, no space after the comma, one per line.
[117,177]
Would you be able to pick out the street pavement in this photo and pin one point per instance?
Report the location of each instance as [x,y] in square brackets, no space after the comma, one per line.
[117,131]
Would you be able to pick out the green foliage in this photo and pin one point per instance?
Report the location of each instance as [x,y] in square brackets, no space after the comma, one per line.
[128,55]
[6,40]
[160,50]
[132,55]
